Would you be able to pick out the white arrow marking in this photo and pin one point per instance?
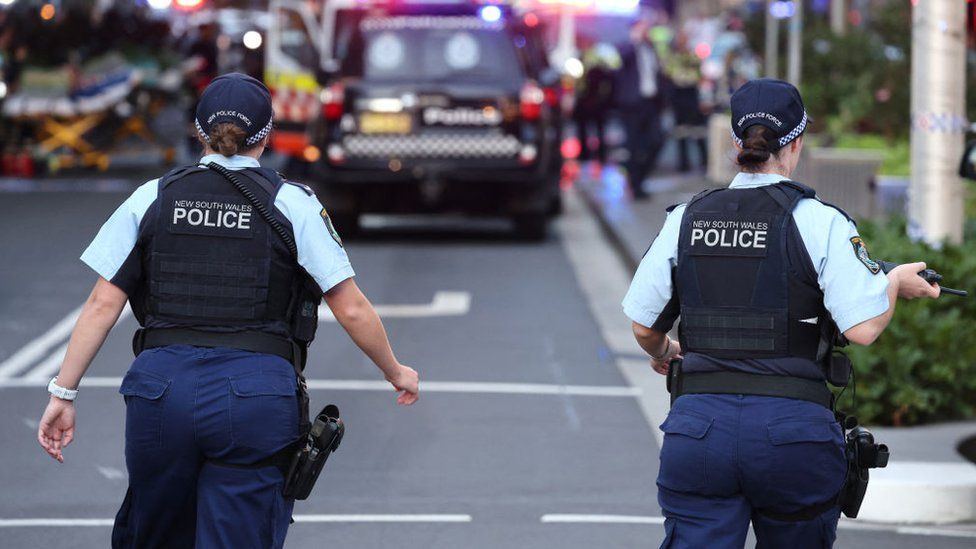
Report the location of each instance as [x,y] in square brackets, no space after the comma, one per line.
[443,304]
[36,348]
[50,365]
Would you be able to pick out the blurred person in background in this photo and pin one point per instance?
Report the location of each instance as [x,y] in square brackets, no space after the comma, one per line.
[640,97]
[594,95]
[683,71]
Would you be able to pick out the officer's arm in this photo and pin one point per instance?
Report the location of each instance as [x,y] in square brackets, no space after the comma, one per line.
[654,342]
[356,315]
[904,282]
[98,315]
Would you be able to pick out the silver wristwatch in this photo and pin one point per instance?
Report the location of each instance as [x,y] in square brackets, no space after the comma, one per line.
[61,392]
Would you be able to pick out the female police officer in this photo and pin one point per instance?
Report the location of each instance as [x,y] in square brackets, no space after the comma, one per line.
[225,277]
[759,273]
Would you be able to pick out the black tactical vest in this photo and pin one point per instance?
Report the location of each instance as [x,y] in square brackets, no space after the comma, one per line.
[747,288]
[212,263]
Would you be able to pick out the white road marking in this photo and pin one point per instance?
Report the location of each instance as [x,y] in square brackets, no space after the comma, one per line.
[48,522]
[443,304]
[600,519]
[48,367]
[35,349]
[383,518]
[111,473]
[45,522]
[382,386]
[844,524]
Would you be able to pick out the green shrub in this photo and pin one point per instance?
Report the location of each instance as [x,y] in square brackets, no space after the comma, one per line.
[923,367]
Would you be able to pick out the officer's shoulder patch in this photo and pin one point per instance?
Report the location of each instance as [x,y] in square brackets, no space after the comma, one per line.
[861,251]
[328,225]
[308,190]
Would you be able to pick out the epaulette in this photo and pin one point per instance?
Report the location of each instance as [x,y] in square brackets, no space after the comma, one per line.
[671,208]
[308,190]
[838,208]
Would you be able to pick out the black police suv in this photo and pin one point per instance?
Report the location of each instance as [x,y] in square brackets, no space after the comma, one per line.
[439,111]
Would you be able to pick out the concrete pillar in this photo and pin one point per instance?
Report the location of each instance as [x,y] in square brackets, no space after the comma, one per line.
[772,43]
[795,49]
[938,118]
[838,16]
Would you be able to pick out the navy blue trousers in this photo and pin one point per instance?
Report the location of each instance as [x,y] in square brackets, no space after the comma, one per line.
[186,406]
[726,456]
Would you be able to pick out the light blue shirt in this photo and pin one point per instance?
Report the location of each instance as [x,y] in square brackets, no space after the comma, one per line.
[852,293]
[318,252]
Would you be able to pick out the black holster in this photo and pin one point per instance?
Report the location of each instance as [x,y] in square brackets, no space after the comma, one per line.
[309,458]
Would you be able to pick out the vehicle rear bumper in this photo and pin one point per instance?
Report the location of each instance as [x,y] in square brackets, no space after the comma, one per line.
[474,187]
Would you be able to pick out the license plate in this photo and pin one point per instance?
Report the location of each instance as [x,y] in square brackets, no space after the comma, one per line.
[372,122]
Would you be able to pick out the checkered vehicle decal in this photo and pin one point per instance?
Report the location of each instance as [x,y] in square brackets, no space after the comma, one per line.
[431,146]
[294,105]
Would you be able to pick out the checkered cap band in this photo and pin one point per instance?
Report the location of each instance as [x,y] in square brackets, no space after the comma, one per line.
[785,140]
[261,134]
[250,140]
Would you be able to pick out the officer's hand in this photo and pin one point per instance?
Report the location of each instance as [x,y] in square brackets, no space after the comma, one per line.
[663,365]
[910,284]
[57,428]
[407,381]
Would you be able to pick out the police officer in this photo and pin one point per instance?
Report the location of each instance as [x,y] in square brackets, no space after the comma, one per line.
[761,274]
[224,267]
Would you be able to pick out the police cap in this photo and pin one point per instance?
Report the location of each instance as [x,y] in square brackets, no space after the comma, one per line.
[239,99]
[774,104]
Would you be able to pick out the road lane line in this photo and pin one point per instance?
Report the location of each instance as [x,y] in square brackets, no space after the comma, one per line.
[48,367]
[443,304]
[844,524]
[382,386]
[599,519]
[383,518]
[49,522]
[35,349]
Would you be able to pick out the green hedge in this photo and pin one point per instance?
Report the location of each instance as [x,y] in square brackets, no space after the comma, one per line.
[923,367]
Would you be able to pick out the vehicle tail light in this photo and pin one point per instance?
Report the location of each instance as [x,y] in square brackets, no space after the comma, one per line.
[333,102]
[336,154]
[552,96]
[528,155]
[531,99]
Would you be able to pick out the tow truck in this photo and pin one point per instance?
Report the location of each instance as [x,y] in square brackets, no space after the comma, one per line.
[406,106]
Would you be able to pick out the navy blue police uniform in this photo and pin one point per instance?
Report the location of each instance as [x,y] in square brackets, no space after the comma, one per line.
[763,276]
[225,280]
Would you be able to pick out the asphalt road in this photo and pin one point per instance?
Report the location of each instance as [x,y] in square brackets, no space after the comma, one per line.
[525,419]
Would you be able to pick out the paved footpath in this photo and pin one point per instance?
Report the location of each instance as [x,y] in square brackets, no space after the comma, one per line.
[537,426]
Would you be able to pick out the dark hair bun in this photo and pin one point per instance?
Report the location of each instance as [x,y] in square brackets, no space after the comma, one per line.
[227,138]
[758,146]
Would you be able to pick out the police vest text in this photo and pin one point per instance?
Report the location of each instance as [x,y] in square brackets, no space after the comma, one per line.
[729,233]
[212,214]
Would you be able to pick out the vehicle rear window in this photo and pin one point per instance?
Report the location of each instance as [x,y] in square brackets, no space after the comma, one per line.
[433,49]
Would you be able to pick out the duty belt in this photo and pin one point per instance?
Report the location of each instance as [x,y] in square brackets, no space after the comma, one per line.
[255,342]
[742,383]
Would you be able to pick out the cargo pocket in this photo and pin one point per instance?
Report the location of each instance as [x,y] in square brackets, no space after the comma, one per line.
[144,401]
[805,458]
[683,452]
[263,411]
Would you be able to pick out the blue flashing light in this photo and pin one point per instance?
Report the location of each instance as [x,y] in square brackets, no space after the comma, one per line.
[490,13]
[782,9]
